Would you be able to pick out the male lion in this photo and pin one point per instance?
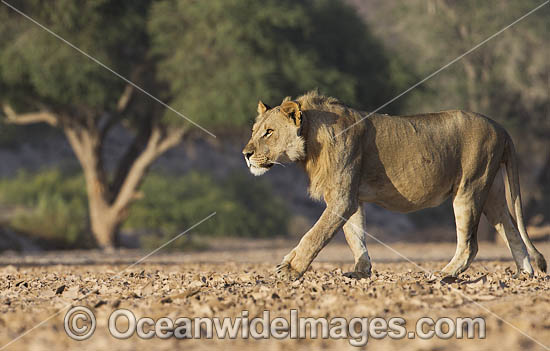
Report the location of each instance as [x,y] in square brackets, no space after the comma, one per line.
[402,163]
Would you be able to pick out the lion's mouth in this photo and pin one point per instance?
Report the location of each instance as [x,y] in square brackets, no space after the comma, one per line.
[266,165]
[255,165]
[258,170]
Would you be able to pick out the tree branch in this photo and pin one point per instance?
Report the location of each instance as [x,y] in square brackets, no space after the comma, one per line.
[136,172]
[157,144]
[125,98]
[132,152]
[172,138]
[114,117]
[76,144]
[29,118]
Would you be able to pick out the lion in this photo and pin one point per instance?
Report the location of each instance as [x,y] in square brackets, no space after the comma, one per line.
[401,163]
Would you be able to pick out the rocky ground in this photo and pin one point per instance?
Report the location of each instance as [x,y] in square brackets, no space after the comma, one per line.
[225,282]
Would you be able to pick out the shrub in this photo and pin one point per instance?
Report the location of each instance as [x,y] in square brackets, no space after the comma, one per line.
[47,205]
[173,204]
[52,206]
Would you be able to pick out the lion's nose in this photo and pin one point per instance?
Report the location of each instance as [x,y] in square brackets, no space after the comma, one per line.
[248,154]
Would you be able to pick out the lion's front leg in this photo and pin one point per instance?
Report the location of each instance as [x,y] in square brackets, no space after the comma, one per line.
[355,233]
[298,260]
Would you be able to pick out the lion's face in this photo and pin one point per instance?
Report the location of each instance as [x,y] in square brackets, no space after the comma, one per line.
[275,137]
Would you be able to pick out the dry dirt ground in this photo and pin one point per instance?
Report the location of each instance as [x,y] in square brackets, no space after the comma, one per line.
[234,277]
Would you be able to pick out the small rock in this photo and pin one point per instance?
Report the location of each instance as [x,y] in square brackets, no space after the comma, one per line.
[100,303]
[60,290]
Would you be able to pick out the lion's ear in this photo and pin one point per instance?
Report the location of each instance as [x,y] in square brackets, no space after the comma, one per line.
[262,107]
[292,110]
[287,98]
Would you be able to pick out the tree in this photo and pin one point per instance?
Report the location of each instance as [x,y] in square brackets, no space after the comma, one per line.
[228,54]
[212,60]
[45,81]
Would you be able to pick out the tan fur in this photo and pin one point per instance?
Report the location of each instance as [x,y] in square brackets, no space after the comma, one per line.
[402,163]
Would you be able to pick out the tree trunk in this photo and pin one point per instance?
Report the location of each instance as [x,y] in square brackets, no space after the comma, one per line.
[109,203]
[103,223]
[87,148]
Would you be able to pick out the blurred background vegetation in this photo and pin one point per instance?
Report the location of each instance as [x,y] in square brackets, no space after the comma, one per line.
[93,178]
[51,206]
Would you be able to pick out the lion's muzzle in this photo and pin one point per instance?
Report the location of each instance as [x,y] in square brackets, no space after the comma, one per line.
[258,164]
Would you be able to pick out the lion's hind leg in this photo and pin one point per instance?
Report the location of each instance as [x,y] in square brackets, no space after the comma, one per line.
[355,233]
[497,213]
[467,209]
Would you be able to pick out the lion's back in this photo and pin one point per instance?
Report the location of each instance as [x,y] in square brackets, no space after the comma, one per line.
[457,130]
[422,158]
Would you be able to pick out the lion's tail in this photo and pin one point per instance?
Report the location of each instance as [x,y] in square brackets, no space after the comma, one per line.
[514,201]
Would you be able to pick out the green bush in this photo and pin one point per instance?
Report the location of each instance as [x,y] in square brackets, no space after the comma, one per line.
[51,205]
[227,54]
[173,204]
[47,205]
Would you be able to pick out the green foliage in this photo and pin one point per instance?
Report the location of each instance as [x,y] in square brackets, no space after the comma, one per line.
[38,69]
[52,205]
[506,78]
[48,205]
[227,54]
[173,204]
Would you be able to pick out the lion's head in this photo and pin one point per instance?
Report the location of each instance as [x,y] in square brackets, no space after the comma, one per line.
[276,137]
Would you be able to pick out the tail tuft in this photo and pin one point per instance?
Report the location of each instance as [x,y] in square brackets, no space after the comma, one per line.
[540,261]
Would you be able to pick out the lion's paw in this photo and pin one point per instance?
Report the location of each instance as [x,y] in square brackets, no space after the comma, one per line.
[522,275]
[285,272]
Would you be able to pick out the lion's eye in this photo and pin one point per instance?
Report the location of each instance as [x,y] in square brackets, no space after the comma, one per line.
[268,133]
